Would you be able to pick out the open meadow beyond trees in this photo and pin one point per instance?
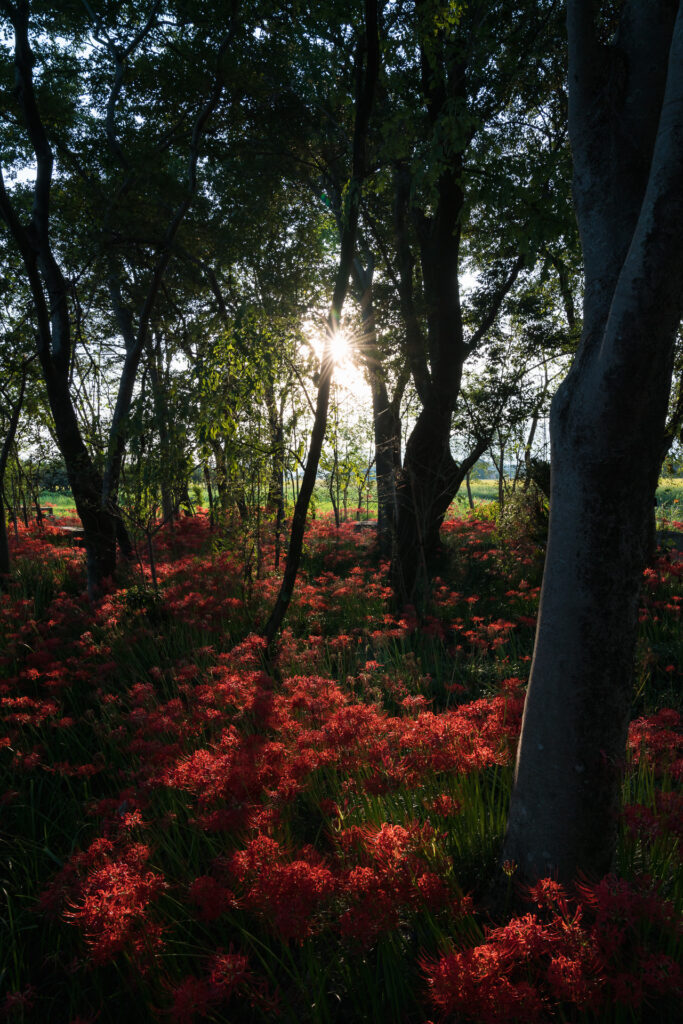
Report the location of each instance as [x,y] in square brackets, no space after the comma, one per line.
[188,836]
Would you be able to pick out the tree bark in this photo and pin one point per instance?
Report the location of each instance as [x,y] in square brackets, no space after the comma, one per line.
[606,421]
[49,291]
[387,429]
[430,477]
[275,501]
[220,458]
[427,484]
[385,416]
[7,443]
[470,499]
[365,93]
[168,498]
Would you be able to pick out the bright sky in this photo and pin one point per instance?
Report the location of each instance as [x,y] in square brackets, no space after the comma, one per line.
[347,374]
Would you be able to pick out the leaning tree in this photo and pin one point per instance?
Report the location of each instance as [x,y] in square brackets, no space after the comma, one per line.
[138,168]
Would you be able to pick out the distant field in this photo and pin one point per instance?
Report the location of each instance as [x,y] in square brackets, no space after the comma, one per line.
[669,498]
[62,504]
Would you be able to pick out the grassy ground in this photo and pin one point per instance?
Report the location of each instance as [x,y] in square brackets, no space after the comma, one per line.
[61,503]
[669,497]
[185,836]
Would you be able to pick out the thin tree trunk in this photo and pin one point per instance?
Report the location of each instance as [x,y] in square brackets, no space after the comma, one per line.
[364,100]
[168,502]
[4,543]
[527,451]
[501,476]
[7,443]
[470,499]
[331,491]
[385,419]
[387,427]
[135,339]
[221,473]
[209,494]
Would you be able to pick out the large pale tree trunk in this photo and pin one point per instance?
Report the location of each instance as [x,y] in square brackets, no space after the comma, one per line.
[607,422]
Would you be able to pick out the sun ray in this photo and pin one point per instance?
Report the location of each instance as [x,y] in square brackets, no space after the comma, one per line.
[340,347]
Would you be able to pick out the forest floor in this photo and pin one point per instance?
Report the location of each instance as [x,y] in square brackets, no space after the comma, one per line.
[187,834]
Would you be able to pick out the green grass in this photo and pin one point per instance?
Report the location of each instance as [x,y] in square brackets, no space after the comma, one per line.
[669,497]
[175,649]
[61,502]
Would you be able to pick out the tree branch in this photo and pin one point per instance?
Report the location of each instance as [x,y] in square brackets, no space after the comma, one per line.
[496,302]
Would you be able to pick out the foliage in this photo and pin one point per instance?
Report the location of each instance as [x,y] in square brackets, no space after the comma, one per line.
[196,835]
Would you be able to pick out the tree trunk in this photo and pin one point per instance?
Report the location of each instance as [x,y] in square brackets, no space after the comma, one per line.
[427,485]
[501,476]
[276,485]
[527,451]
[209,493]
[7,443]
[470,499]
[607,421]
[365,86]
[4,542]
[99,524]
[387,428]
[168,502]
[425,488]
[221,473]
[430,478]
[53,338]
[385,417]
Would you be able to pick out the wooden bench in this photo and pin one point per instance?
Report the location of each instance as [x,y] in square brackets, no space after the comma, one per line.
[75,534]
[671,543]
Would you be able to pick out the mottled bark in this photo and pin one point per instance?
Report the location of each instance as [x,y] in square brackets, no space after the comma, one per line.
[607,421]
